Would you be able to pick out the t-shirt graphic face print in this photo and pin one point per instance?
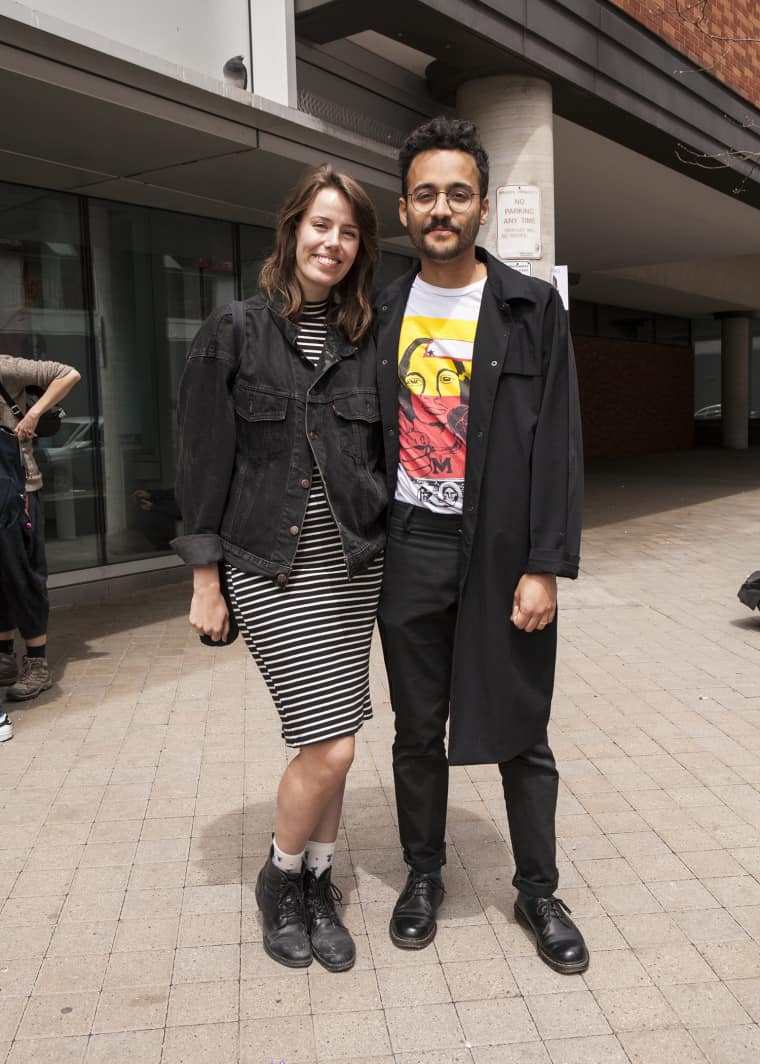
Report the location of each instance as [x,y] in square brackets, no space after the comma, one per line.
[434,369]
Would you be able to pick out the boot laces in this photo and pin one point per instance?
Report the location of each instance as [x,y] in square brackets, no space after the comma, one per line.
[324,897]
[290,902]
[554,908]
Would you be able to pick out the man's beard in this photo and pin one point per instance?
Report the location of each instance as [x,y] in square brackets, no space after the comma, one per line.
[466,237]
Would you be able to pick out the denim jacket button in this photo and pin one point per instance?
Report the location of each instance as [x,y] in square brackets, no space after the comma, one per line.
[305,483]
[282,579]
[293,530]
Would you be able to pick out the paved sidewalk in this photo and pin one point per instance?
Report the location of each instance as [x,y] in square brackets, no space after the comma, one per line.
[137,801]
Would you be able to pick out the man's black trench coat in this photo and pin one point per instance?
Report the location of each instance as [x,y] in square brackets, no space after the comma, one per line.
[523,498]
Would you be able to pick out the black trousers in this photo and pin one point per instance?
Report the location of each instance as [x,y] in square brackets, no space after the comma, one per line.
[23,573]
[417,619]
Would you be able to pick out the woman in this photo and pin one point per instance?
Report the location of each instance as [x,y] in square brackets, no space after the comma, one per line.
[279,480]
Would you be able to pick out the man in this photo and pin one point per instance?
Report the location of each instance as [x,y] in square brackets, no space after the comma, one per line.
[23,566]
[480,417]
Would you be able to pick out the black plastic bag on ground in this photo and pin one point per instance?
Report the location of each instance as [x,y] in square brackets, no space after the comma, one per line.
[749,592]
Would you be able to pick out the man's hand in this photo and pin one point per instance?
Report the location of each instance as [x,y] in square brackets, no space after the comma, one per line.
[535,601]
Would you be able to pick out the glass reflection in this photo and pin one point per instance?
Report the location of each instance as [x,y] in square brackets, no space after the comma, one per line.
[43,316]
[156,276]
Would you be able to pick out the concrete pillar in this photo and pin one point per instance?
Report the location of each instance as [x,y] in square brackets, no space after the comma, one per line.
[515,118]
[273,51]
[734,376]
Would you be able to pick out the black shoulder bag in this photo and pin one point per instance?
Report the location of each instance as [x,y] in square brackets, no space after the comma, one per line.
[48,423]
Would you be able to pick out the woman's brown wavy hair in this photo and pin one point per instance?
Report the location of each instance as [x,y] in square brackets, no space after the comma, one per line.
[351,299]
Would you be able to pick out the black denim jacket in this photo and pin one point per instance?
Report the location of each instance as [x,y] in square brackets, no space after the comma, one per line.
[250,431]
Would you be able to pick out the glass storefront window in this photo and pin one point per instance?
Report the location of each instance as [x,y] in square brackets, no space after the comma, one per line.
[255,244]
[43,316]
[156,276]
[126,326]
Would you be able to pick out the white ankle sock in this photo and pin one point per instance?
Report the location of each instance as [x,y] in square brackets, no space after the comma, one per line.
[318,856]
[286,862]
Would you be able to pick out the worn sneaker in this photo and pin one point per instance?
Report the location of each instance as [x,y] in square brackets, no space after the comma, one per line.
[8,669]
[34,679]
[6,728]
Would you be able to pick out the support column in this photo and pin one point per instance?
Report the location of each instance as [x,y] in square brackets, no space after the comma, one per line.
[515,118]
[273,51]
[734,376]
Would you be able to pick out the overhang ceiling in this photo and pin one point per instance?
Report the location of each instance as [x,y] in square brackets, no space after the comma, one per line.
[639,233]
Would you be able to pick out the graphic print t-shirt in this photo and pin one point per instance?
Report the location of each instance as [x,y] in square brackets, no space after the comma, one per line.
[434,370]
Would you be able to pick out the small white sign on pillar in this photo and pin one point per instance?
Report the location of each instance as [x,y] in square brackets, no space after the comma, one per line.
[518,219]
[560,282]
[521,265]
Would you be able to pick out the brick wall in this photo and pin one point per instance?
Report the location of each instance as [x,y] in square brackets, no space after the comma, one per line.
[735,63]
[636,398]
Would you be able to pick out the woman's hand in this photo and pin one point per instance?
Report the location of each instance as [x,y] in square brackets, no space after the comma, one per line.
[27,426]
[208,610]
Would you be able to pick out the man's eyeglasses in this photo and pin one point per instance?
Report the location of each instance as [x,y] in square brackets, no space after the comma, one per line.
[458,199]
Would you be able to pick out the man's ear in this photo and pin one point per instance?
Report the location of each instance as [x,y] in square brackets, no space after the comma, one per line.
[485,208]
[402,210]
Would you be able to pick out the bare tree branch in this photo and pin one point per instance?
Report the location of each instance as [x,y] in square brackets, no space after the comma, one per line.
[703,14]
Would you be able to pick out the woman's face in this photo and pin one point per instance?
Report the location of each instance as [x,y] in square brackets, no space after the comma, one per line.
[327,243]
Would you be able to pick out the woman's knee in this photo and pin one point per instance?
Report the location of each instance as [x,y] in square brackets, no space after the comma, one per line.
[333,758]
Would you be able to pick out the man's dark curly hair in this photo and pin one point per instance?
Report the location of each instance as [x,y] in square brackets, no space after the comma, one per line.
[444,134]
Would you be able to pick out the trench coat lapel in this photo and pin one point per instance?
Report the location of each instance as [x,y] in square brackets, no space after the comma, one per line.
[389,315]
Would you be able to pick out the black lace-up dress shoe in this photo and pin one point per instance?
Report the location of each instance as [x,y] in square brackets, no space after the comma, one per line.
[413,923]
[279,896]
[331,942]
[558,941]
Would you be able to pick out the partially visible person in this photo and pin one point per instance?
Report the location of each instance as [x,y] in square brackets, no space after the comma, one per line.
[6,728]
[161,500]
[279,480]
[23,564]
[157,515]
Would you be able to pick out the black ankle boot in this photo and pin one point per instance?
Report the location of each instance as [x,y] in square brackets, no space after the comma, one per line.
[331,942]
[558,941]
[279,896]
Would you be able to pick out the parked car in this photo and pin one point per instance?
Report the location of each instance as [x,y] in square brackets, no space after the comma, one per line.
[67,460]
[714,412]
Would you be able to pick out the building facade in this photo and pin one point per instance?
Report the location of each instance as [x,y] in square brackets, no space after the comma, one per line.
[145,147]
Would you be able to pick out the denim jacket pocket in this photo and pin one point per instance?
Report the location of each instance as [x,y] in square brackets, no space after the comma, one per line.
[263,436]
[358,418]
[259,406]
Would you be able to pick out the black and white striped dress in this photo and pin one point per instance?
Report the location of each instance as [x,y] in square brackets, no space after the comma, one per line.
[311,639]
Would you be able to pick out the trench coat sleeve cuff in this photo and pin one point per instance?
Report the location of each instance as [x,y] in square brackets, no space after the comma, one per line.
[553,561]
[201,549]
